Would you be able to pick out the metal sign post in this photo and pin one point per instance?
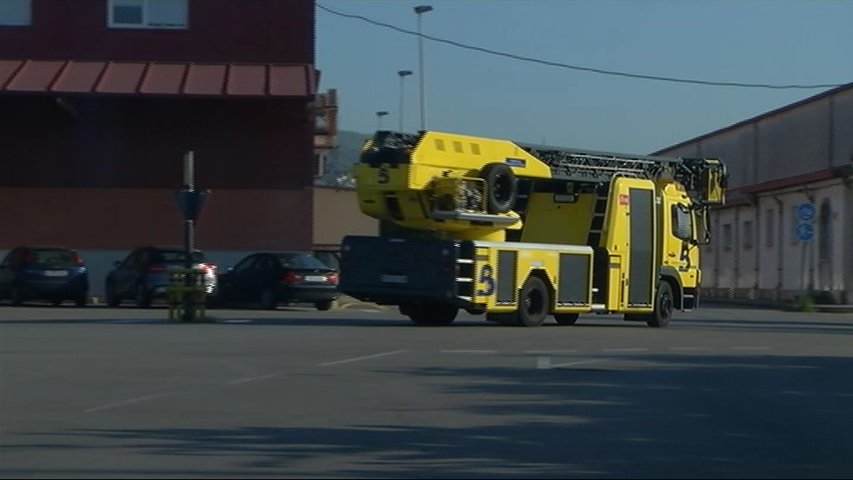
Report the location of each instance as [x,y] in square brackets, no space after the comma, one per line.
[190,202]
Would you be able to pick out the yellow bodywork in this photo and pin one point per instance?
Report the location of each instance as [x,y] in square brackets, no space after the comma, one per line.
[442,165]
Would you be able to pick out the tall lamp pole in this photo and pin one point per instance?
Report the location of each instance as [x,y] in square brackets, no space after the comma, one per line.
[379,116]
[402,74]
[420,10]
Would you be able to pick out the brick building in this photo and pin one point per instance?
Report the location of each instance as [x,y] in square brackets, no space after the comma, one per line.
[102,99]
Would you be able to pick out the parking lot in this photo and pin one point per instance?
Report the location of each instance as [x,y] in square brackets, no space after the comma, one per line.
[360,392]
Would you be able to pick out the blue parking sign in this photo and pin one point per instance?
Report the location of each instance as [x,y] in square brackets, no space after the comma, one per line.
[805,231]
[805,211]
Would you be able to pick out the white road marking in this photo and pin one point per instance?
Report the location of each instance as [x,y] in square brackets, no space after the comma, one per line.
[127,402]
[469,351]
[614,350]
[688,349]
[356,359]
[544,363]
[549,352]
[252,379]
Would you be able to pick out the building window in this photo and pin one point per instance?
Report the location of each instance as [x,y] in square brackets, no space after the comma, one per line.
[147,13]
[15,12]
[770,228]
[727,236]
[747,234]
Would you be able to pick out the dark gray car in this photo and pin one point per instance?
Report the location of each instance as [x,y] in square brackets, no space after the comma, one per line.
[145,273]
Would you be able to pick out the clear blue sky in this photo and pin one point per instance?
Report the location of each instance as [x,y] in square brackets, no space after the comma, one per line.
[776,42]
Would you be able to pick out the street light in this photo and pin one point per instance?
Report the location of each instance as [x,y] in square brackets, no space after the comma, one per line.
[420,10]
[379,116]
[402,74]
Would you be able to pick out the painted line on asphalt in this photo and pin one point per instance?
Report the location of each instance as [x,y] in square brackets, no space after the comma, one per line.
[617,350]
[357,359]
[252,379]
[469,351]
[688,349]
[544,363]
[127,402]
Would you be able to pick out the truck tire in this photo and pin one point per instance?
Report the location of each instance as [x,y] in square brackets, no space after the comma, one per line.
[533,302]
[664,302]
[501,187]
[432,315]
[566,318]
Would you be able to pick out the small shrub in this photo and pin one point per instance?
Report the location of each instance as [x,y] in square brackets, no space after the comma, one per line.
[804,303]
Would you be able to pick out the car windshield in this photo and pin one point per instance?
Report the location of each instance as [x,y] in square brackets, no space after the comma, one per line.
[178,256]
[53,255]
[301,260]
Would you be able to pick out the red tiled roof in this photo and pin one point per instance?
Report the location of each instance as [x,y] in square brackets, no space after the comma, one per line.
[157,78]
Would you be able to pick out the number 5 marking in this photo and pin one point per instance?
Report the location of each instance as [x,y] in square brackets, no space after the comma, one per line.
[487,280]
[382,176]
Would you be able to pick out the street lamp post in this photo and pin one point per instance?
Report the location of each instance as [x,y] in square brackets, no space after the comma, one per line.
[402,74]
[420,10]
[379,116]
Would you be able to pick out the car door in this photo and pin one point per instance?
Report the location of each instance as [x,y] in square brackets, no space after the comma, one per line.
[124,275]
[265,275]
[232,284]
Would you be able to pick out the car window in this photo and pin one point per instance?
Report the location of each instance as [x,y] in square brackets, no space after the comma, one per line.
[301,261]
[53,256]
[245,264]
[179,256]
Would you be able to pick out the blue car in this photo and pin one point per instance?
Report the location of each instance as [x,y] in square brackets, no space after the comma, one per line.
[44,273]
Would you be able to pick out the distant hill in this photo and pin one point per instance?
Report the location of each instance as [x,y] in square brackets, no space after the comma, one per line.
[337,170]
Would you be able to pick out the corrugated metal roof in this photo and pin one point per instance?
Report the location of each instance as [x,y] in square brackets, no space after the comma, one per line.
[157,78]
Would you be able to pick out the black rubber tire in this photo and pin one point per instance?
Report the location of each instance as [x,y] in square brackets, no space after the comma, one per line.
[142,298]
[664,305]
[16,296]
[111,299]
[501,187]
[436,315]
[324,305]
[268,299]
[566,318]
[533,302]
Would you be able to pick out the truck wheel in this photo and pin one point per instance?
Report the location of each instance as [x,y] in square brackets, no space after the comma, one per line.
[664,302]
[566,318]
[432,315]
[533,302]
[501,187]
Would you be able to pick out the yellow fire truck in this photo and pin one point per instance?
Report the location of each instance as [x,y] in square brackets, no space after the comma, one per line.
[520,232]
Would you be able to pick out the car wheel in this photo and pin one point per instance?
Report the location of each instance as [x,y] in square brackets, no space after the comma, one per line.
[112,299]
[16,296]
[143,299]
[269,299]
[324,305]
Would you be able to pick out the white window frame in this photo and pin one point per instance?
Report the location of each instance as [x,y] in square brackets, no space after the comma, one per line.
[148,17]
[16,13]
